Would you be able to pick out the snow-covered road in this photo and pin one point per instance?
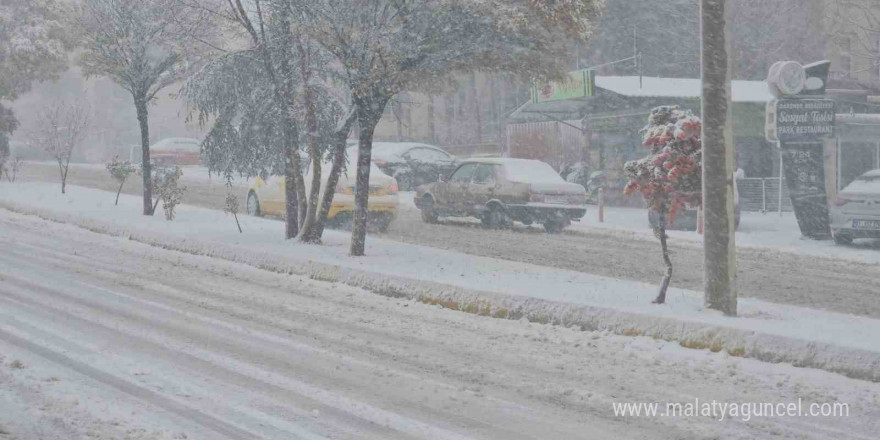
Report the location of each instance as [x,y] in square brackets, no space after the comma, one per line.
[832,283]
[105,338]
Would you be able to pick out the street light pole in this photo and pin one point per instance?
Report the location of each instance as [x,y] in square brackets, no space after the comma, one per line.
[719,251]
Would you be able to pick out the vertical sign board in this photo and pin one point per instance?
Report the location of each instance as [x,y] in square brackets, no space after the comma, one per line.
[799,120]
[800,127]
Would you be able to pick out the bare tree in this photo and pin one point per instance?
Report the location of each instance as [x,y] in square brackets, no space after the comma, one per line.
[4,157]
[62,128]
[666,35]
[141,46]
[33,47]
[13,167]
[854,28]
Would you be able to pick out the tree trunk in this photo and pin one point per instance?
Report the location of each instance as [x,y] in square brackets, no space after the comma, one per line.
[119,191]
[308,232]
[661,233]
[294,183]
[369,112]
[294,193]
[291,202]
[64,172]
[235,215]
[63,177]
[719,253]
[140,104]
[338,147]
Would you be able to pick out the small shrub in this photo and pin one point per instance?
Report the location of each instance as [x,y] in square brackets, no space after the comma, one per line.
[232,205]
[166,184]
[120,170]
[670,177]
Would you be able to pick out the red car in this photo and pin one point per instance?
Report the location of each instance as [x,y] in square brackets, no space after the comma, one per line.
[176,151]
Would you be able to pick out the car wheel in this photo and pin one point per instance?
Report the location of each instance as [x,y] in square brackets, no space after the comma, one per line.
[496,218]
[404,182]
[554,226]
[253,205]
[383,223]
[842,239]
[429,215]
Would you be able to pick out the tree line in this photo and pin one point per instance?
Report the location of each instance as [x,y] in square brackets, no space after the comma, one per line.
[279,82]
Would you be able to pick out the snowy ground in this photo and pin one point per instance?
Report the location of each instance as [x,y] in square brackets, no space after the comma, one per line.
[212,232]
[757,230]
[106,338]
[847,283]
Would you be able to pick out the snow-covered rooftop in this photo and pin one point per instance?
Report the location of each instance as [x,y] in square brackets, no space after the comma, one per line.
[742,91]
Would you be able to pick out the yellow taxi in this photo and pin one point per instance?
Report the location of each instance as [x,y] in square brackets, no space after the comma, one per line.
[266,196]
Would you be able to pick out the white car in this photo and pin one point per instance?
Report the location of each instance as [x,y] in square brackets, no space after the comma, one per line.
[856,211]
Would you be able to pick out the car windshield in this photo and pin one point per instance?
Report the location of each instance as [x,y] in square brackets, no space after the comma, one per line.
[531,171]
[395,151]
[426,155]
[350,165]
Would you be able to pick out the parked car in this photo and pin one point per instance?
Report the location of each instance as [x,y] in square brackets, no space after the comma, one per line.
[412,164]
[266,196]
[856,211]
[499,191]
[578,173]
[176,151]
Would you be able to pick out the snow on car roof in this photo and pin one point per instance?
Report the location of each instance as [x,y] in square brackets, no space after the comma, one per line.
[177,144]
[741,91]
[393,150]
[523,170]
[867,183]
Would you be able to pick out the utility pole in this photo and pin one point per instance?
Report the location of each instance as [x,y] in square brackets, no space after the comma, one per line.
[719,251]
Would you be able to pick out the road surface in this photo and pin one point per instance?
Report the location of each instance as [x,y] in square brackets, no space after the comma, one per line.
[105,338]
[808,281]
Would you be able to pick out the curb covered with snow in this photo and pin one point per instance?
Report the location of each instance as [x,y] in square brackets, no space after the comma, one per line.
[853,361]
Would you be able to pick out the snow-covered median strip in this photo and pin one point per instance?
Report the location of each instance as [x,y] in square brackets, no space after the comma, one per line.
[777,333]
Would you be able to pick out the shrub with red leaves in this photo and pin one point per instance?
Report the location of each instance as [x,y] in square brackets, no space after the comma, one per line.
[670,178]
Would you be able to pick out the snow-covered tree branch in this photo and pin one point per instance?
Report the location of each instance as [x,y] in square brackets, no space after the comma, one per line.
[62,128]
[141,45]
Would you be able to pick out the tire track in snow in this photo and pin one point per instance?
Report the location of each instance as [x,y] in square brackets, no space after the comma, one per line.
[499,347]
[220,427]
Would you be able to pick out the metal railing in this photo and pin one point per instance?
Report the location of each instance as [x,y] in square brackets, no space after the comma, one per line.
[762,195]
